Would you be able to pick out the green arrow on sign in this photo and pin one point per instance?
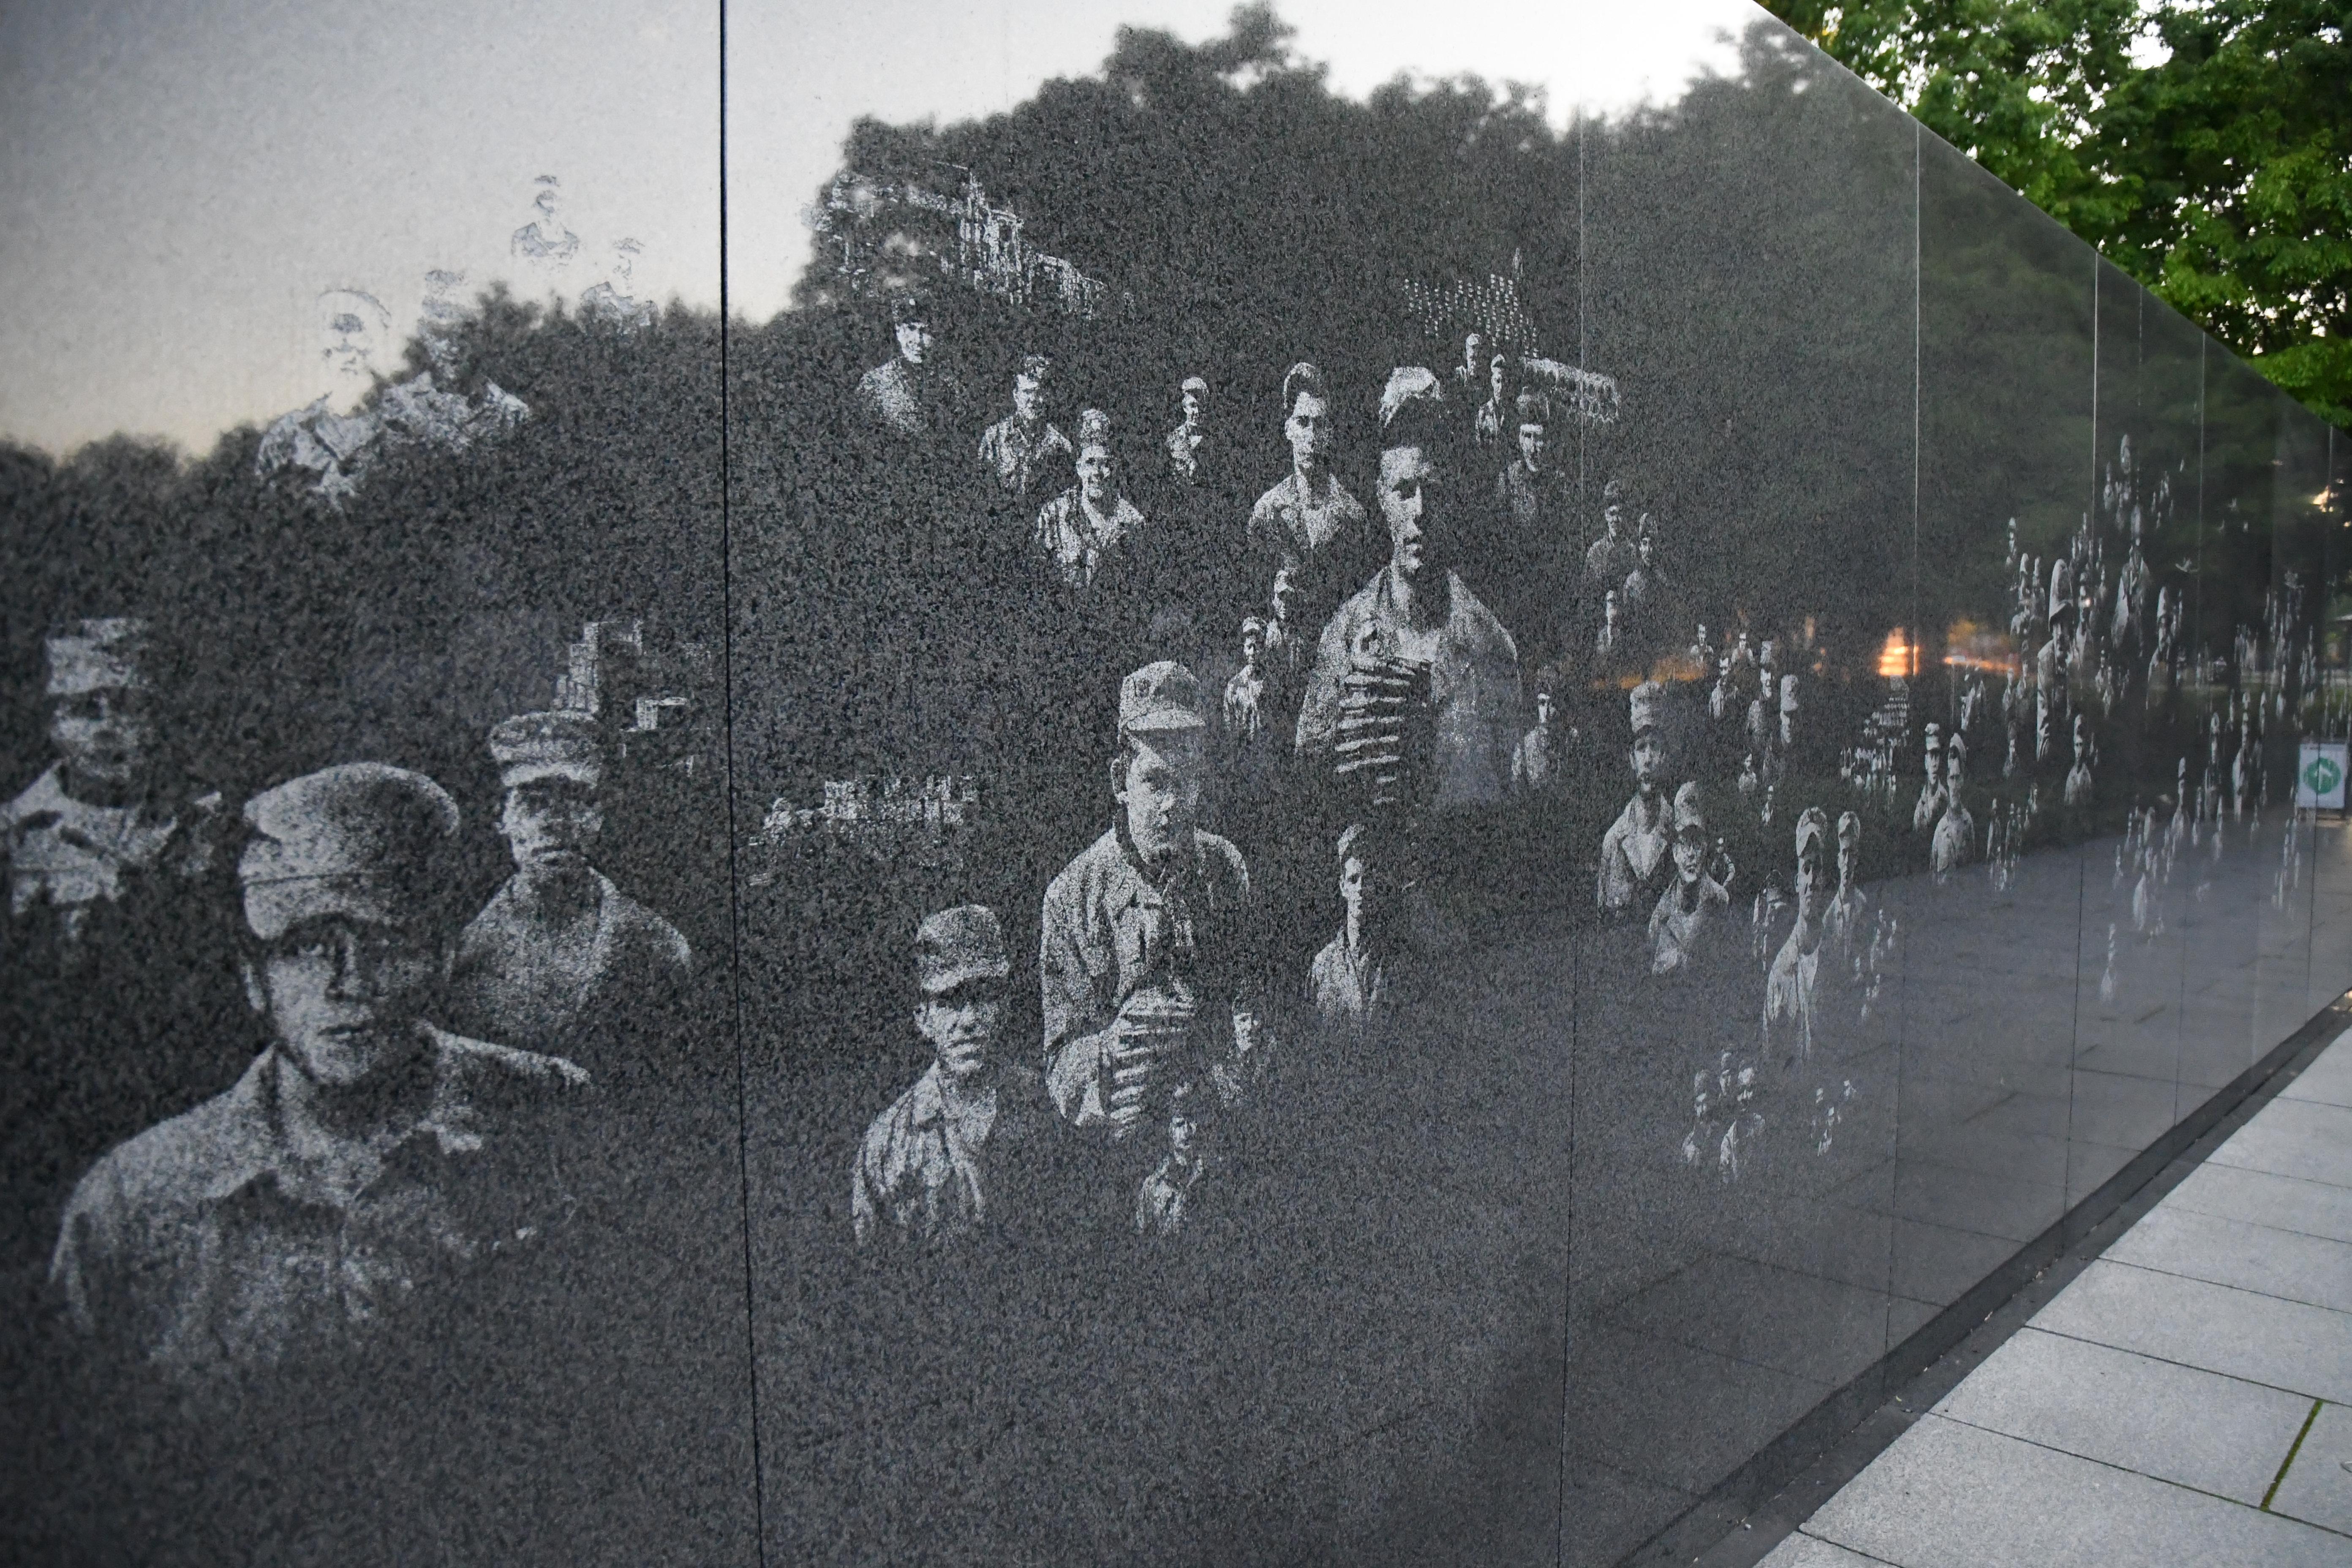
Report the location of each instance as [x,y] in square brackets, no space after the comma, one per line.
[2323,775]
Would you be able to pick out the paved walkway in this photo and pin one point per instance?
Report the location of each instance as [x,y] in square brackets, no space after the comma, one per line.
[2188,1399]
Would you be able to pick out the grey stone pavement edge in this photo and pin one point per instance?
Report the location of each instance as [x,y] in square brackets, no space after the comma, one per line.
[2185,1399]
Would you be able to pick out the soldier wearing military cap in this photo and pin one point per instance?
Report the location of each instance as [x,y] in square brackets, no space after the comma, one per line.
[951,1155]
[1634,864]
[1521,566]
[1417,611]
[1141,948]
[1792,984]
[1955,843]
[1613,556]
[1084,535]
[560,959]
[1699,897]
[1308,522]
[913,395]
[1929,807]
[367,1163]
[1022,452]
[115,968]
[1189,461]
[1352,980]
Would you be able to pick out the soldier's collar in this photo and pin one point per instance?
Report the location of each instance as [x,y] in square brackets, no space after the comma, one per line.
[255,1133]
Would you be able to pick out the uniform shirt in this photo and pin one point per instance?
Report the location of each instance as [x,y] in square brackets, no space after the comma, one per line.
[929,1177]
[1634,859]
[70,855]
[1675,930]
[1018,452]
[523,981]
[1955,844]
[1609,560]
[1350,985]
[208,1244]
[1295,524]
[906,398]
[1111,929]
[1076,544]
[1184,445]
[1160,1203]
[1790,989]
[1473,682]
[1531,763]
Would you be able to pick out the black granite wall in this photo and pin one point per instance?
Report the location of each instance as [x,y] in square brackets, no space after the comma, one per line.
[1619,1172]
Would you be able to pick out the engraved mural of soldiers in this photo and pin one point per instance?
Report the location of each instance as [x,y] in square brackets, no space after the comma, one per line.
[114,977]
[1349,981]
[1792,984]
[1189,461]
[544,241]
[1308,522]
[1164,1205]
[1847,919]
[367,1163]
[1418,610]
[1536,764]
[1929,807]
[1140,944]
[1493,417]
[1634,863]
[1024,452]
[1469,377]
[912,394]
[2079,790]
[1955,844]
[614,300]
[1613,555]
[948,1158]
[2050,693]
[560,959]
[1085,532]
[1700,897]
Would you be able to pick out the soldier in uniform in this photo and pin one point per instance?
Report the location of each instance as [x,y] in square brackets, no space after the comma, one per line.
[1955,844]
[947,1159]
[1350,982]
[1700,898]
[561,959]
[1418,610]
[1165,1205]
[2080,789]
[1248,738]
[1929,807]
[1022,452]
[121,1011]
[1634,859]
[367,1164]
[1188,462]
[1792,985]
[910,395]
[1142,943]
[1083,533]
[1531,500]
[1613,556]
[1535,766]
[1309,523]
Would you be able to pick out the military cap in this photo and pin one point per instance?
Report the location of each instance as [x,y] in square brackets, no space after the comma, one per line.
[1352,843]
[1534,408]
[960,945]
[1613,490]
[1034,367]
[1412,408]
[1160,697]
[1642,706]
[563,744]
[1300,377]
[1690,814]
[106,655]
[1194,383]
[1934,740]
[1812,826]
[1252,624]
[1849,829]
[362,840]
[1093,428]
[906,307]
[1956,750]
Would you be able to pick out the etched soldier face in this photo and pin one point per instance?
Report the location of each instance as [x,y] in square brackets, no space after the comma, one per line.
[1352,876]
[1095,470]
[1160,786]
[1649,761]
[1848,850]
[551,823]
[1495,382]
[1690,856]
[1645,547]
[1610,608]
[104,737]
[914,341]
[1253,646]
[1028,397]
[1474,350]
[1283,589]
[1812,885]
[1412,500]
[1531,445]
[960,1025]
[1613,516]
[1184,1134]
[1308,430]
[1543,709]
[1196,406]
[342,996]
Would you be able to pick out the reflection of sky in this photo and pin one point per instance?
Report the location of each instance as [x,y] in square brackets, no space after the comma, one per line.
[179,180]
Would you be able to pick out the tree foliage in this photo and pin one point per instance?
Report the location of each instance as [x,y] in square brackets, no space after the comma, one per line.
[2205,146]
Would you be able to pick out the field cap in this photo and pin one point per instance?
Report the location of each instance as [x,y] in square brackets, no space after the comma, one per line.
[361,840]
[561,744]
[960,945]
[1160,697]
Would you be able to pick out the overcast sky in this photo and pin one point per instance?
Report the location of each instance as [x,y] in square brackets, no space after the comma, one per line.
[181,181]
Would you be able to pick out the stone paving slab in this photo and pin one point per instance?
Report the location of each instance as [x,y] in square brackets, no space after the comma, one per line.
[2249,1256]
[2286,1344]
[2294,1138]
[2327,1082]
[2282,1202]
[2180,1423]
[2318,1487]
[1948,1495]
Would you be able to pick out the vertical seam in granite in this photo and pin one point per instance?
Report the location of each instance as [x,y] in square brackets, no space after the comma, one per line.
[2292,1449]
